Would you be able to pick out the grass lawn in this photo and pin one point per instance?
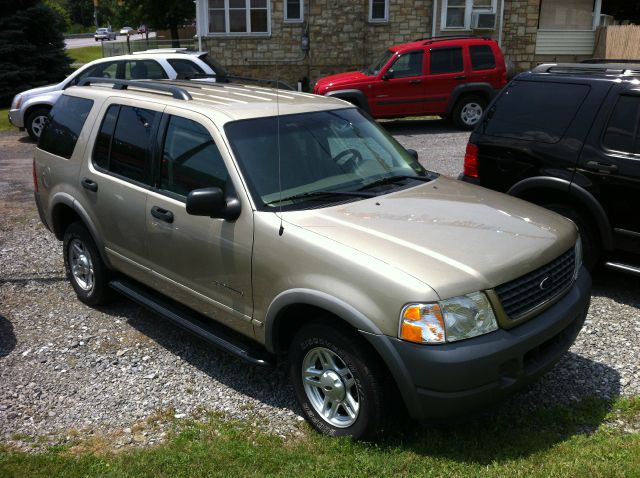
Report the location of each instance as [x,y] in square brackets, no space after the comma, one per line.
[84,54]
[4,120]
[586,439]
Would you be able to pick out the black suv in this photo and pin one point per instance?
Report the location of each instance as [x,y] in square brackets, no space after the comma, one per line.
[567,137]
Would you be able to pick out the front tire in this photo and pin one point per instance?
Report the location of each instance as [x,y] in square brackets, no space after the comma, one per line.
[35,121]
[86,271]
[338,381]
[468,111]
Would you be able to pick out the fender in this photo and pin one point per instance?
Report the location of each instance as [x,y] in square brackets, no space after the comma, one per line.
[363,102]
[574,190]
[482,89]
[68,200]
[318,299]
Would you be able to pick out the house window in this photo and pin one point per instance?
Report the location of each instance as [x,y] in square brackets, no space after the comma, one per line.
[456,14]
[294,11]
[239,17]
[378,10]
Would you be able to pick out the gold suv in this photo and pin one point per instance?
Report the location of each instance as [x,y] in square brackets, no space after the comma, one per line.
[281,224]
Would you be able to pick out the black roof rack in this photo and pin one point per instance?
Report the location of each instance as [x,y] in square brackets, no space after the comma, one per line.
[617,61]
[240,79]
[589,68]
[452,37]
[177,92]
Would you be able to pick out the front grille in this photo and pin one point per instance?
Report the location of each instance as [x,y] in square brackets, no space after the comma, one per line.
[525,293]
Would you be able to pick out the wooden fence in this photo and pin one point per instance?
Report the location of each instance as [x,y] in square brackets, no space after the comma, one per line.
[618,42]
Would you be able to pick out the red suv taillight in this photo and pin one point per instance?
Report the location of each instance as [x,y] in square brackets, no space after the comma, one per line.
[35,176]
[471,161]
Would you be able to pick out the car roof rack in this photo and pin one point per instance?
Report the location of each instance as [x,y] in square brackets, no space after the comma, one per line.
[239,79]
[589,68]
[617,61]
[452,37]
[175,91]
[166,50]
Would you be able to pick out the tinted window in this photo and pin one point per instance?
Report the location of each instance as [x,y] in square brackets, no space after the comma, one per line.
[409,64]
[102,148]
[185,67]
[535,111]
[622,131]
[190,158]
[446,60]
[482,57]
[66,120]
[144,70]
[101,70]
[131,142]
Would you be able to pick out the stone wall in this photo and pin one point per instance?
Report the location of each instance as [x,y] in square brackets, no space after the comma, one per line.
[341,39]
[520,31]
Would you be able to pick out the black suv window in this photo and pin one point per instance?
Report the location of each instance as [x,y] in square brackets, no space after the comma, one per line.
[66,120]
[190,158]
[482,57]
[407,65]
[446,60]
[622,132]
[124,141]
[185,67]
[535,111]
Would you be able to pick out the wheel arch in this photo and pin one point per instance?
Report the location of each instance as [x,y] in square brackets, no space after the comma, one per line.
[485,90]
[353,96]
[560,190]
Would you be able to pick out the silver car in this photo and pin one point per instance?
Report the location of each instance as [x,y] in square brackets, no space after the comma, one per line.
[30,108]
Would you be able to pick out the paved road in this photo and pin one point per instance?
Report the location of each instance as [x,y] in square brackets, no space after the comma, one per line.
[80,42]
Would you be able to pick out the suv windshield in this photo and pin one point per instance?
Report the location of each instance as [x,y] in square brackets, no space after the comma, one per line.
[325,156]
[377,65]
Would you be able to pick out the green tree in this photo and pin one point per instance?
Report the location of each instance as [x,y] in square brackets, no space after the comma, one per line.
[31,47]
[160,14]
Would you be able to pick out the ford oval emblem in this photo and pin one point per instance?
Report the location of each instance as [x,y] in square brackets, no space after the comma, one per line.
[545,283]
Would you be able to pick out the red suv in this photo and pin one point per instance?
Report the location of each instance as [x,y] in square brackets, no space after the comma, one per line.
[450,77]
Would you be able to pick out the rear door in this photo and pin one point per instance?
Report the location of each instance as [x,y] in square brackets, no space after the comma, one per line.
[610,164]
[202,262]
[399,90]
[446,71]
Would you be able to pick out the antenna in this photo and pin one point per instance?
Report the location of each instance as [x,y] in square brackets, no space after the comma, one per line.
[281,230]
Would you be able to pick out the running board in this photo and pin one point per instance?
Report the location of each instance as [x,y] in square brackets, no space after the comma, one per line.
[203,327]
[623,267]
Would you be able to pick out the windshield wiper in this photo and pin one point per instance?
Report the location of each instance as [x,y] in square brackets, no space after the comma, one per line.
[319,195]
[394,179]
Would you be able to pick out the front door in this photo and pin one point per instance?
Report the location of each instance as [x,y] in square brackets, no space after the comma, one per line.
[202,262]
[399,89]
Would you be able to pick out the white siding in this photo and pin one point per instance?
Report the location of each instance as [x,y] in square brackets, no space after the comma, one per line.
[565,42]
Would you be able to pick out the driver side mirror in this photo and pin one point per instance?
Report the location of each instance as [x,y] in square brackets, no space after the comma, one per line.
[212,202]
[388,75]
[413,153]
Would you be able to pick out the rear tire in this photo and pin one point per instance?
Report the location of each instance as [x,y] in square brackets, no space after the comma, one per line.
[591,247]
[339,382]
[86,271]
[468,111]
[35,121]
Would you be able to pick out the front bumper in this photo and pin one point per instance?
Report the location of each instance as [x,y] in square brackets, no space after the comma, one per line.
[16,119]
[453,379]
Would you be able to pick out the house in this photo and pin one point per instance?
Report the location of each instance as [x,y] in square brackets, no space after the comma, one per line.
[305,39]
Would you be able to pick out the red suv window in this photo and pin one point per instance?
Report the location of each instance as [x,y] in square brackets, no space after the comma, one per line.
[482,57]
[446,60]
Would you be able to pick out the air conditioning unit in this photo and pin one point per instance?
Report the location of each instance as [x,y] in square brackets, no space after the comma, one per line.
[483,21]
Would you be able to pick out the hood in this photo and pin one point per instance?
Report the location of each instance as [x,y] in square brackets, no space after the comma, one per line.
[455,237]
[40,90]
[341,79]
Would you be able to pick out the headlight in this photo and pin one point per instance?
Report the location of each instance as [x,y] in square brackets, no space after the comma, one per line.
[17,101]
[578,256]
[448,320]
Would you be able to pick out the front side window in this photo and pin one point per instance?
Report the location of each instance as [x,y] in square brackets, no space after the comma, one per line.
[124,142]
[237,17]
[623,130]
[66,119]
[303,156]
[378,10]
[446,60]
[107,69]
[408,65]
[294,11]
[190,159]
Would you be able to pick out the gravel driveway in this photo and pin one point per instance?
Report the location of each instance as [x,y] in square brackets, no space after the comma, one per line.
[119,372]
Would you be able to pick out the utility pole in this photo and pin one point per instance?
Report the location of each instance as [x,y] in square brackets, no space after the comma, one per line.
[95,12]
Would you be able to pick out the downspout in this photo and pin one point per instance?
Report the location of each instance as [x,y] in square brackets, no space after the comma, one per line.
[435,16]
[198,26]
[501,23]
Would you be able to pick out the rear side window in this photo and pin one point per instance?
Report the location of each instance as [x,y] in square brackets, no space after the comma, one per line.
[190,158]
[622,132]
[144,70]
[446,60]
[185,67]
[66,120]
[124,141]
[535,111]
[482,57]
